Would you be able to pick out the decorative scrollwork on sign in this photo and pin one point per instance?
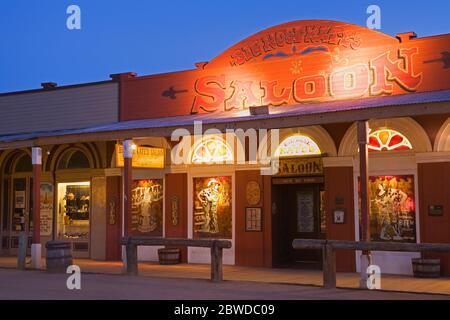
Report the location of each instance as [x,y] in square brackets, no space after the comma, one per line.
[175,210]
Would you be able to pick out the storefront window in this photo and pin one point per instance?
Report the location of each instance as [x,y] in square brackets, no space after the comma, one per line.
[212,150]
[146,207]
[212,207]
[74,206]
[388,140]
[297,145]
[392,208]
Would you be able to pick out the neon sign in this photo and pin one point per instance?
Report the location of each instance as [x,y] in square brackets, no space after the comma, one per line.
[377,77]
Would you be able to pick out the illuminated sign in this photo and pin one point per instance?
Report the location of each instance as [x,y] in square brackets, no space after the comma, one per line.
[143,157]
[300,166]
[376,77]
[294,63]
[297,145]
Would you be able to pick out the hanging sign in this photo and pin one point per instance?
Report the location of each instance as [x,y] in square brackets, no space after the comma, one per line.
[143,157]
[46,212]
[299,166]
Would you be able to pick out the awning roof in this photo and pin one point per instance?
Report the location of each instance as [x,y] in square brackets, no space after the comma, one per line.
[279,117]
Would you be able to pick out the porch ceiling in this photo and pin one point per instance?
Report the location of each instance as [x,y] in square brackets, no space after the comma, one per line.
[413,104]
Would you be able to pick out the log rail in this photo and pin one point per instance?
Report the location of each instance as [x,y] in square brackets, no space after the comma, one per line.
[329,248]
[217,246]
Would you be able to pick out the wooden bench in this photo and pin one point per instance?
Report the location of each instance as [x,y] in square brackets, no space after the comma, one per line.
[216,246]
[328,248]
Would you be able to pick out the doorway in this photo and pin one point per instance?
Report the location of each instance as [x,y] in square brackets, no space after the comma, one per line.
[298,212]
[17,203]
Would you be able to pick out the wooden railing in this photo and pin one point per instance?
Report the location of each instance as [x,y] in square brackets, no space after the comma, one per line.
[216,246]
[328,248]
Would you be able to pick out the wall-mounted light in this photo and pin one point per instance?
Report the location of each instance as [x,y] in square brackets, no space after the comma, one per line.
[258,110]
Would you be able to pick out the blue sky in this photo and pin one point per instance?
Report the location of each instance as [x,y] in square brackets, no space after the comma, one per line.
[162,36]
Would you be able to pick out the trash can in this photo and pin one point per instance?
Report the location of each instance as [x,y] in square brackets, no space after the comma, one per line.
[59,256]
[426,268]
[169,256]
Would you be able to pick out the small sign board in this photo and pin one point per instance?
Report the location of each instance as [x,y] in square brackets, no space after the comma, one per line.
[143,157]
[300,166]
[436,210]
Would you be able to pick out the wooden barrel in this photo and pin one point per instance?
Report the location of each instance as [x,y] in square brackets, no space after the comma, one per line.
[59,256]
[426,268]
[169,256]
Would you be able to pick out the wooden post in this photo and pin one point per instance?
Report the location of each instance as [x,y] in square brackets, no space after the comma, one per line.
[132,263]
[127,185]
[329,267]
[216,263]
[36,255]
[22,250]
[363,129]
[127,181]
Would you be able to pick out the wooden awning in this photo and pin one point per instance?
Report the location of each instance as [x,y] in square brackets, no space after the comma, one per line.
[413,104]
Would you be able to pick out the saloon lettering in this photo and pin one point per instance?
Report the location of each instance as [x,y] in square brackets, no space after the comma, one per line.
[215,93]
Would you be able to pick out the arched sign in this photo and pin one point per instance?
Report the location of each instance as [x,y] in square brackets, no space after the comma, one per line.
[295,63]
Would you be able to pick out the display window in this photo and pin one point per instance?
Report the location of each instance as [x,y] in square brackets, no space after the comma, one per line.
[74,210]
[392,208]
[212,207]
[147,207]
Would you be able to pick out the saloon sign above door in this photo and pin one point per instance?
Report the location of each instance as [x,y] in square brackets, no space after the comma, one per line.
[297,62]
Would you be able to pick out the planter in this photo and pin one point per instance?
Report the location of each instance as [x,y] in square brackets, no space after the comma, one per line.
[426,268]
[169,256]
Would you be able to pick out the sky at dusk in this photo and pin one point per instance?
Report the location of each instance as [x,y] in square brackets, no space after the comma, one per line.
[150,37]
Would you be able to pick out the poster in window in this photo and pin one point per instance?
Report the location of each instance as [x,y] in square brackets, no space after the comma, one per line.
[146,207]
[46,209]
[212,207]
[392,208]
[19,199]
[305,211]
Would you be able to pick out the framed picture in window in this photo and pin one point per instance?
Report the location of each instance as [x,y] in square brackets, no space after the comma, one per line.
[253,219]
[339,216]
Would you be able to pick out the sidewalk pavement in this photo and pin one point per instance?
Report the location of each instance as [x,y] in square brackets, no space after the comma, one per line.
[18,285]
[398,283]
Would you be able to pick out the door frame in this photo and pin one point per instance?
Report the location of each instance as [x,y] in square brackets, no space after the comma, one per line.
[315,183]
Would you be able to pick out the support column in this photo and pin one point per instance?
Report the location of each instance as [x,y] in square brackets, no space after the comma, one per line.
[128,149]
[36,157]
[363,129]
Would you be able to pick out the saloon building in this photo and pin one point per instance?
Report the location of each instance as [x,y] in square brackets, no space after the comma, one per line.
[309,129]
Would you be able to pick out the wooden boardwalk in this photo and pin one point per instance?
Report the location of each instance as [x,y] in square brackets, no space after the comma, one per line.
[238,273]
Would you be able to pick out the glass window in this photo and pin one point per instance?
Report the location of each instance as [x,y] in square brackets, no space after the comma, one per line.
[212,150]
[74,209]
[297,145]
[78,161]
[212,207]
[24,164]
[74,160]
[146,207]
[392,208]
[388,140]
